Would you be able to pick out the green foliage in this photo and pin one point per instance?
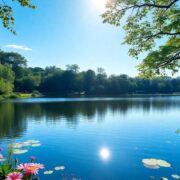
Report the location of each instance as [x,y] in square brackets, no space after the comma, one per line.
[148,21]
[162,59]
[6,79]
[6,13]
[8,166]
[89,81]
[28,81]
[74,68]
[4,170]
[12,58]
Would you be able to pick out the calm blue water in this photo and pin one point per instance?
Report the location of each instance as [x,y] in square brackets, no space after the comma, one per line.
[96,139]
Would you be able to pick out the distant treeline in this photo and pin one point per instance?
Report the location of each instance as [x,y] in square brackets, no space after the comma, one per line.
[16,76]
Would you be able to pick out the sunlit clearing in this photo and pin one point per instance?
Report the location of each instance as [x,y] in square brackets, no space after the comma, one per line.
[104,153]
[100,5]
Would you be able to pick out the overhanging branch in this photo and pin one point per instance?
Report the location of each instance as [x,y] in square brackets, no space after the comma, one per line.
[149,5]
[170,60]
[162,33]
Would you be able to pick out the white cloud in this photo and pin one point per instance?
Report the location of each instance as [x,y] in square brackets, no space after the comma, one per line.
[20,47]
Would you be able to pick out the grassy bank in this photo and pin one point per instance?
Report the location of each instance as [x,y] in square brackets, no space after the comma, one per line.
[18,96]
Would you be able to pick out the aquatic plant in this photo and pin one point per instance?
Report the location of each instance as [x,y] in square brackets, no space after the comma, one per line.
[36,145]
[30,169]
[10,170]
[48,172]
[14,176]
[20,151]
[155,163]
[175,176]
[59,168]
[163,178]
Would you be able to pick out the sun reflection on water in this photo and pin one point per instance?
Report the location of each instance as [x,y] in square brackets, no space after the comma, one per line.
[104,153]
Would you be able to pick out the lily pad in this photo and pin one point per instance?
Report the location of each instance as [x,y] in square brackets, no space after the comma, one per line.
[26,144]
[164,178]
[59,168]
[175,176]
[17,145]
[36,145]
[48,172]
[33,141]
[20,151]
[155,163]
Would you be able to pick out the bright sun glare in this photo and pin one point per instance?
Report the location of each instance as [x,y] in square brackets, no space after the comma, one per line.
[99,4]
[104,153]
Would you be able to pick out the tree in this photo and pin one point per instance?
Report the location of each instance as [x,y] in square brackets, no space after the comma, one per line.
[89,81]
[101,80]
[146,22]
[29,83]
[119,85]
[15,60]
[74,68]
[52,70]
[6,13]
[6,79]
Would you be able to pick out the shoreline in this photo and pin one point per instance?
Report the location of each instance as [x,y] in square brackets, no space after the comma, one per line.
[31,95]
[19,96]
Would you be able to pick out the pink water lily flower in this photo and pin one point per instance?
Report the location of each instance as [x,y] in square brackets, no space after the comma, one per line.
[30,168]
[14,176]
[1,156]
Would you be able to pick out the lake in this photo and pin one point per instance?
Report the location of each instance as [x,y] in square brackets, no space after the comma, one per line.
[96,138]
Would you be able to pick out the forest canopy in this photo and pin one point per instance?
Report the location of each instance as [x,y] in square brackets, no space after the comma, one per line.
[16,76]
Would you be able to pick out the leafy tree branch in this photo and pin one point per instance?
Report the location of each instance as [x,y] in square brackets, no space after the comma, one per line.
[147,22]
[6,13]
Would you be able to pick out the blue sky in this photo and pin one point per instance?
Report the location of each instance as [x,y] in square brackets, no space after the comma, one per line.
[61,32]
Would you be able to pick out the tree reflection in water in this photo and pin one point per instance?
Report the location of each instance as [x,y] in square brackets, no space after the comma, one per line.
[14,115]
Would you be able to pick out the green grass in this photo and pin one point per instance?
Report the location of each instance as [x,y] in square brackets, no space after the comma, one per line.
[16,96]
[24,95]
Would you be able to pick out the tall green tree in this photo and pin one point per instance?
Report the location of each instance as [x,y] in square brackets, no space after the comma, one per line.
[15,60]
[6,12]
[6,79]
[89,81]
[146,22]
[101,79]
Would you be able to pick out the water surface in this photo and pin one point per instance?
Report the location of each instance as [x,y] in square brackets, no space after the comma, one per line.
[96,138]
